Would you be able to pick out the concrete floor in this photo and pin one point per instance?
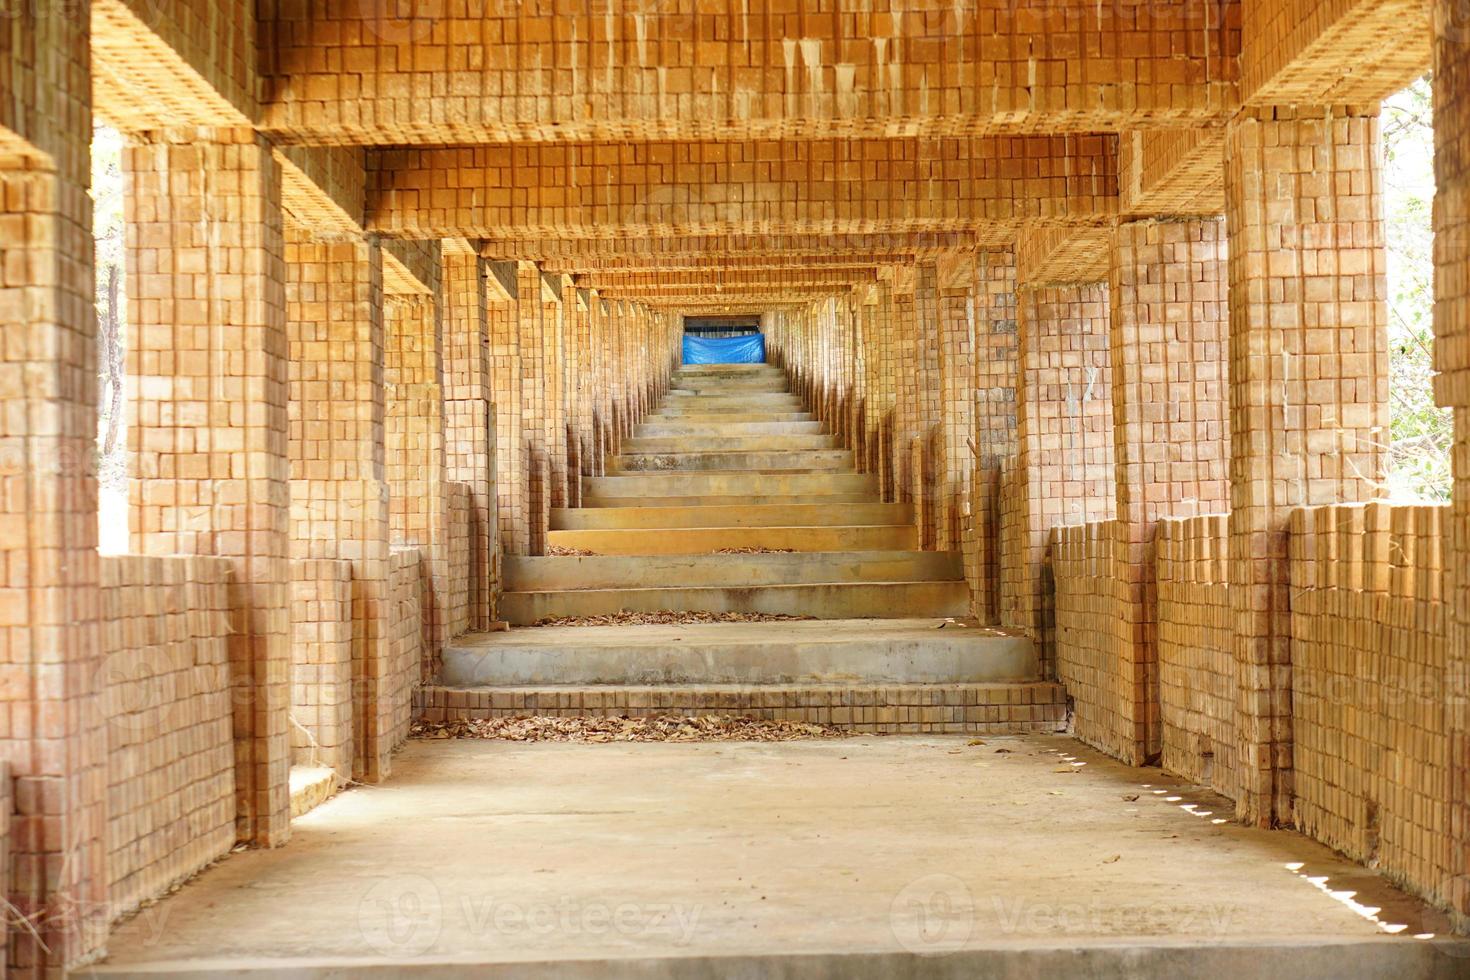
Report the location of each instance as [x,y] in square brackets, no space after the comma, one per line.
[911,856]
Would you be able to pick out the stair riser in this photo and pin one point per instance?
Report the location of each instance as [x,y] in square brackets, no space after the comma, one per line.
[992,660]
[834,460]
[730,386]
[734,424]
[739,515]
[725,418]
[725,501]
[753,402]
[886,600]
[726,443]
[728,484]
[530,574]
[702,541]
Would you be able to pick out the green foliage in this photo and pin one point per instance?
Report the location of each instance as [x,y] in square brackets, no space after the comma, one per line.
[1421,432]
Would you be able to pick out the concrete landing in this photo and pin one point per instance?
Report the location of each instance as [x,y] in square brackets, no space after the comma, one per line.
[866,857]
[831,651]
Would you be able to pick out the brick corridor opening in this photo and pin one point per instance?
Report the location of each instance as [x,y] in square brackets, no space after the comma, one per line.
[1062,455]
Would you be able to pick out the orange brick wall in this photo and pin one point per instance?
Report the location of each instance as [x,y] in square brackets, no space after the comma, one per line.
[1370,688]
[322,702]
[165,685]
[1196,651]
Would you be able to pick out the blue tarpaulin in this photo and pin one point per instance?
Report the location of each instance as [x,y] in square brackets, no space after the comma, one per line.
[750,349]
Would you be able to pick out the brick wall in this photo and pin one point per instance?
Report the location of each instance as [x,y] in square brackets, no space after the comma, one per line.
[1196,656]
[1370,688]
[322,702]
[167,696]
[407,591]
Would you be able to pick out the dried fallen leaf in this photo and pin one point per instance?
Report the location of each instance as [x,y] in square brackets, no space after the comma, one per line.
[1130,797]
[559,551]
[667,617]
[976,741]
[1002,751]
[661,728]
[1112,860]
[1064,769]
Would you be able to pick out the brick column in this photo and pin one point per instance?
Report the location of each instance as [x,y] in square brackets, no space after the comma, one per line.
[1452,388]
[1308,385]
[339,491]
[1064,432]
[54,745]
[510,458]
[535,404]
[208,433]
[417,514]
[1171,431]
[469,439]
[554,326]
[995,417]
[956,408]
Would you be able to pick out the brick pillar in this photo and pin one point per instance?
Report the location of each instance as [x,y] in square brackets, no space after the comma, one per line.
[511,488]
[1064,431]
[924,434]
[208,432]
[413,370]
[957,315]
[535,404]
[339,491]
[1308,385]
[995,417]
[554,325]
[54,745]
[469,439]
[1452,388]
[1171,431]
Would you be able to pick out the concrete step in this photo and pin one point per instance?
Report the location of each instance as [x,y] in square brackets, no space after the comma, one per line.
[729,385]
[726,441]
[730,516]
[856,498]
[703,540]
[550,574]
[729,370]
[777,461]
[733,483]
[716,429]
[900,651]
[751,401]
[729,418]
[879,600]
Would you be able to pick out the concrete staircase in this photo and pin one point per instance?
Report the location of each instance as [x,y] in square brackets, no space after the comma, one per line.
[732,461]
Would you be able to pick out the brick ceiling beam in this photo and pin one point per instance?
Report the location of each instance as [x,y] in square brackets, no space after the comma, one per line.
[344,71]
[1062,256]
[1331,52]
[1172,172]
[718,264]
[667,252]
[765,279]
[543,190]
